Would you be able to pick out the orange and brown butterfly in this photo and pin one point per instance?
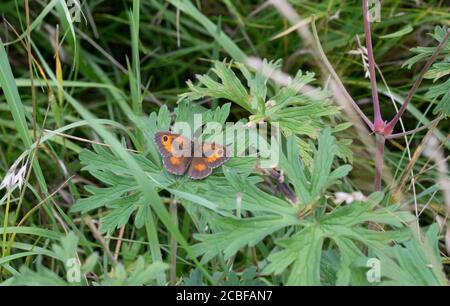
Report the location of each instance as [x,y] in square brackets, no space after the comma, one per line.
[178,155]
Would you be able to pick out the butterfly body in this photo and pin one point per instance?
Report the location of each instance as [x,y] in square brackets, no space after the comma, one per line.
[180,154]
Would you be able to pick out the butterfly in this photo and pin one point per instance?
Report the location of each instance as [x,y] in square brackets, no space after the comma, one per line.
[178,155]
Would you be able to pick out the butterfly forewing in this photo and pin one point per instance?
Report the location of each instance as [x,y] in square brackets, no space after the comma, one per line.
[173,144]
[176,151]
[215,155]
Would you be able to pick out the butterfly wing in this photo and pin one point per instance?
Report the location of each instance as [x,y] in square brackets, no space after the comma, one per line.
[176,151]
[176,165]
[172,144]
[199,168]
[215,155]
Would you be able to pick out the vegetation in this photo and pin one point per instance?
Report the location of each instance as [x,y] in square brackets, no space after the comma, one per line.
[85,198]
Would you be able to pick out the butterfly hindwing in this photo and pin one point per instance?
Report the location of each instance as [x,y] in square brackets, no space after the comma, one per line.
[176,165]
[199,169]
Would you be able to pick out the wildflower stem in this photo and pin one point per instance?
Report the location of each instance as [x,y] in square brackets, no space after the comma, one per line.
[378,121]
[379,161]
[5,223]
[378,124]
[427,126]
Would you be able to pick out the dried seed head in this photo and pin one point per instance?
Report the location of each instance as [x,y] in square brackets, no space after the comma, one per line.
[15,176]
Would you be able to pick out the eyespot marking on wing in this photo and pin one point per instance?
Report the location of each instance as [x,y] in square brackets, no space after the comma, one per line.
[166,141]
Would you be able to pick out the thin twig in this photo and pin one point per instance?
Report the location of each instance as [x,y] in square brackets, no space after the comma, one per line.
[119,242]
[416,155]
[83,139]
[30,212]
[424,127]
[407,142]
[88,221]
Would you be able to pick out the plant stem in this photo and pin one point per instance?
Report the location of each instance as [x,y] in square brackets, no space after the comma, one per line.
[379,161]
[378,121]
[378,124]
[119,242]
[5,223]
[173,252]
[98,236]
[424,127]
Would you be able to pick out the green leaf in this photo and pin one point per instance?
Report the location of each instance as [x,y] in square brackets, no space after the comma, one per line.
[67,247]
[415,263]
[121,212]
[230,88]
[402,32]
[438,70]
[41,277]
[322,162]
[235,234]
[140,273]
[345,227]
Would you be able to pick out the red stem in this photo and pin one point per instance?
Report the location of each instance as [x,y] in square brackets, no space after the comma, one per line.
[378,124]
[379,161]
[378,121]
[397,135]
